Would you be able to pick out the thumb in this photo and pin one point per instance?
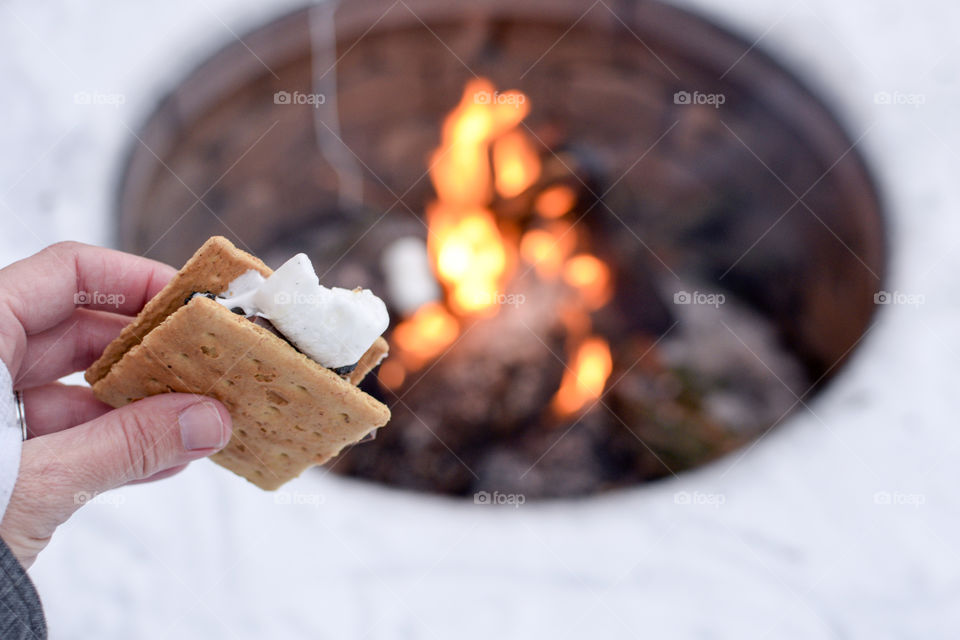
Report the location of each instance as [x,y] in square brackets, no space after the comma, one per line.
[61,471]
[127,444]
[140,440]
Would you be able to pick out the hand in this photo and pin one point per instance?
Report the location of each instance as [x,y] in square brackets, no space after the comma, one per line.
[58,311]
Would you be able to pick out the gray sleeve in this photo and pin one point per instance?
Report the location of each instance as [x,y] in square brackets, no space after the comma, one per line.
[21,616]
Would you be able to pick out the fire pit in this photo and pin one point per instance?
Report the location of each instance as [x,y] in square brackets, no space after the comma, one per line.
[615,246]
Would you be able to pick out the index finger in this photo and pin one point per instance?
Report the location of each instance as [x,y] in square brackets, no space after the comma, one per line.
[45,288]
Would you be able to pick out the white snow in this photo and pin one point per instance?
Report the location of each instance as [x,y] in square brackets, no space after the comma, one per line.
[842,522]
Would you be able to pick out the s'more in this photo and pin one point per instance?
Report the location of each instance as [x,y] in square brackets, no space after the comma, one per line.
[282,353]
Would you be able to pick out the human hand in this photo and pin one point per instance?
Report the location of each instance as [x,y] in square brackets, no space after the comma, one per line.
[78,446]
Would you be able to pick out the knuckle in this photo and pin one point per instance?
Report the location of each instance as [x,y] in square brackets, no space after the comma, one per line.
[64,247]
[142,443]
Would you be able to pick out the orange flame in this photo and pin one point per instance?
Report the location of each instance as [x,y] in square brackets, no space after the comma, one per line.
[591,277]
[482,154]
[469,255]
[460,167]
[424,335]
[586,377]
[516,164]
[546,249]
[465,243]
[555,201]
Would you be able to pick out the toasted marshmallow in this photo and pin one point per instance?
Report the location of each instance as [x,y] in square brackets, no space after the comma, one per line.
[332,326]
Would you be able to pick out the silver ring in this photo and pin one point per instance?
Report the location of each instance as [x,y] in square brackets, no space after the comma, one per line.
[21,414]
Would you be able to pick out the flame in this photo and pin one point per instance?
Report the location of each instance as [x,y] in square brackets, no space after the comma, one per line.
[484,155]
[424,335]
[585,378]
[469,255]
[546,249]
[468,251]
[591,277]
[460,168]
[516,164]
[555,201]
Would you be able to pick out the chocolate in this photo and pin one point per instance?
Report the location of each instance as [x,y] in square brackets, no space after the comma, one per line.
[205,294]
[344,370]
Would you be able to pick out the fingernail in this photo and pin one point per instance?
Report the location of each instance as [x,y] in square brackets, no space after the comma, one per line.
[201,427]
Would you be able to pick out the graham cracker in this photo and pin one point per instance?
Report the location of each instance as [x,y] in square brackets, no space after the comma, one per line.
[212,268]
[369,361]
[288,411]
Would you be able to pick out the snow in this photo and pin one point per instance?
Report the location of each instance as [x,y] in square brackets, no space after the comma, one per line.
[843,522]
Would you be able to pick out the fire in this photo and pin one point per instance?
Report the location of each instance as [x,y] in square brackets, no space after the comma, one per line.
[460,167]
[469,255]
[426,333]
[485,159]
[516,164]
[585,379]
[591,277]
[546,249]
[555,201]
